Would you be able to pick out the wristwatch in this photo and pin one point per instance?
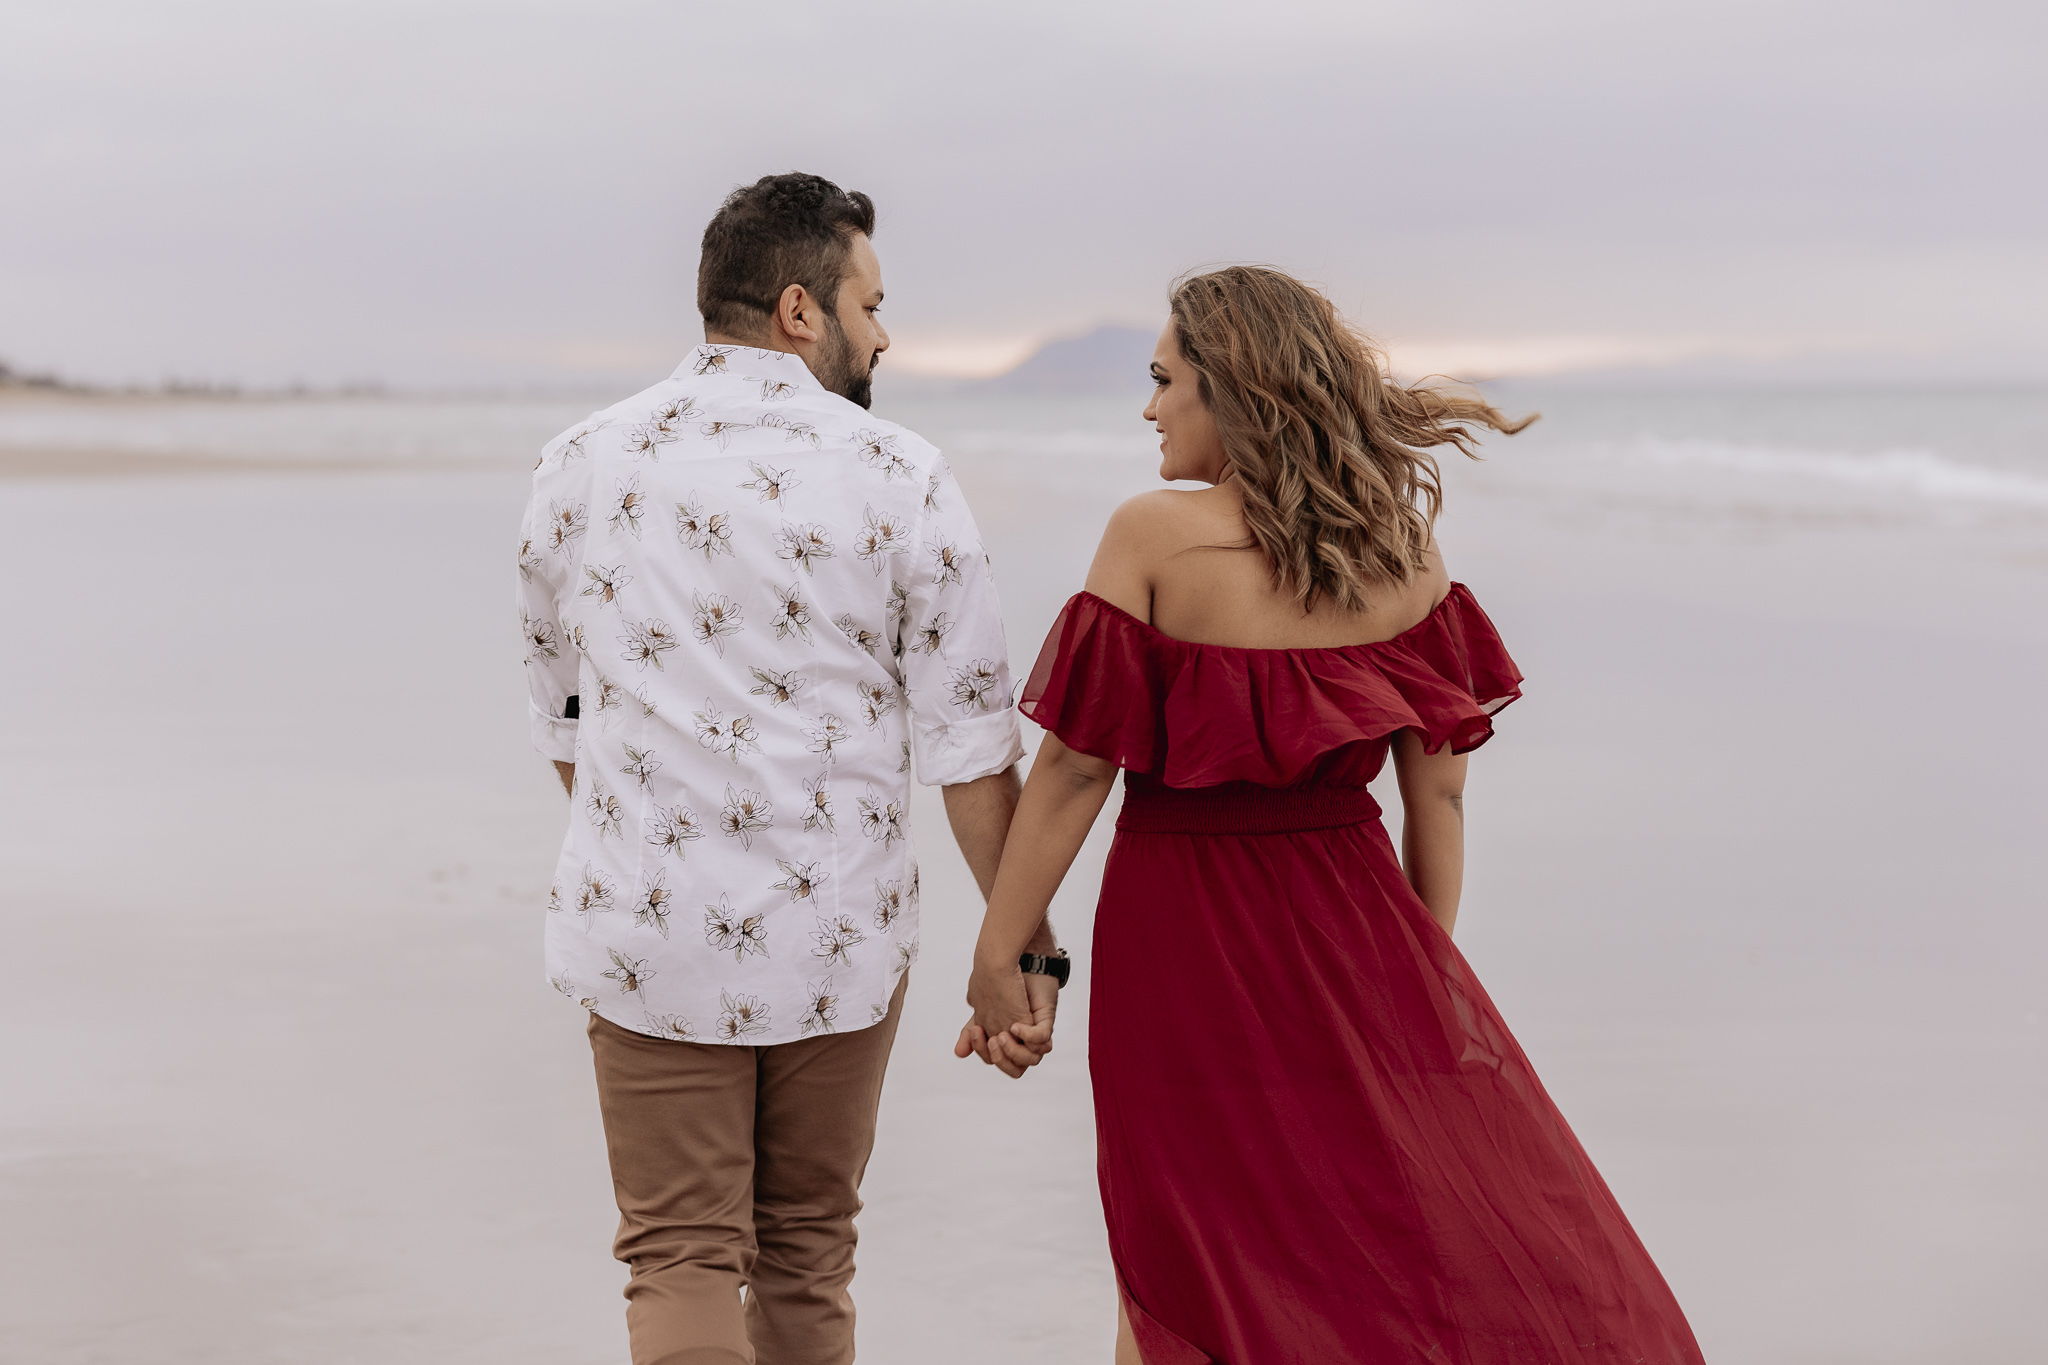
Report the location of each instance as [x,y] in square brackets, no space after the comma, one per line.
[1057,965]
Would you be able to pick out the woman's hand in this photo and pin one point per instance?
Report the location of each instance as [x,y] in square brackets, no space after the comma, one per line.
[1011,1028]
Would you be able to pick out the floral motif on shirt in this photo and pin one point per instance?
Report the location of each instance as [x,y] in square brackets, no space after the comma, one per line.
[649,437]
[651,910]
[630,972]
[671,415]
[881,818]
[818,804]
[743,1016]
[708,533]
[722,432]
[880,452]
[567,521]
[800,880]
[803,546]
[946,562]
[778,688]
[628,507]
[713,618]
[744,815]
[888,903]
[572,447]
[646,641]
[641,765]
[670,827]
[974,685]
[877,700]
[729,737]
[540,638]
[824,1008]
[835,937]
[604,582]
[605,812]
[881,534]
[791,429]
[857,634]
[793,614]
[594,895]
[671,1026]
[727,930]
[931,636]
[773,485]
[826,734]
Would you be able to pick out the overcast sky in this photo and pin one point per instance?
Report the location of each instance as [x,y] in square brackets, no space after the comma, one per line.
[444,193]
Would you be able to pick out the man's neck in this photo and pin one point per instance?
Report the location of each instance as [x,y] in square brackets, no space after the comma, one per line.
[759,343]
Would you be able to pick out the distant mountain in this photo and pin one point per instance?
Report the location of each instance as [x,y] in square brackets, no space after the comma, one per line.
[1109,360]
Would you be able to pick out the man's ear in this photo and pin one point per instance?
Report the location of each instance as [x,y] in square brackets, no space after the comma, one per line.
[796,314]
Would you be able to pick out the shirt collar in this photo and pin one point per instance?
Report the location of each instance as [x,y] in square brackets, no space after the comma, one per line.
[751,361]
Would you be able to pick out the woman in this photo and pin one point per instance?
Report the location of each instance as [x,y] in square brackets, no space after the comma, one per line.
[1318,1141]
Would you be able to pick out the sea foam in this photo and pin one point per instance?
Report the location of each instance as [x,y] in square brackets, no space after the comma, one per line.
[1916,473]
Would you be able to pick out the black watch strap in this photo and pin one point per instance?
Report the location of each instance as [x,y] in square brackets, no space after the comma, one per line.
[1058,965]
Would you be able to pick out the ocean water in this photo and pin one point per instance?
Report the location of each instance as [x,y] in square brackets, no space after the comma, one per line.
[1981,449]
[1898,450]
[1754,875]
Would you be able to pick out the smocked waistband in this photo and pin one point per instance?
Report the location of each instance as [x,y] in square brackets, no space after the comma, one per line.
[1243,808]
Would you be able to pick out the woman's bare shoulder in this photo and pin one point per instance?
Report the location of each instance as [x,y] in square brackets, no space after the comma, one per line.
[1143,533]
[1434,579]
[1163,516]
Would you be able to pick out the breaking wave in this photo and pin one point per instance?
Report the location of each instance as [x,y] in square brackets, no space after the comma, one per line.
[1915,473]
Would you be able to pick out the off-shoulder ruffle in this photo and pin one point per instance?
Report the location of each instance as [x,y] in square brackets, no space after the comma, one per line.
[1115,687]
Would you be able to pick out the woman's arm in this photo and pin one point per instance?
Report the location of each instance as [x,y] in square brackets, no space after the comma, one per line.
[1061,800]
[1432,824]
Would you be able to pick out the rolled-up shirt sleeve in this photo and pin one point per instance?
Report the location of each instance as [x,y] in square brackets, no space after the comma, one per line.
[955,660]
[551,660]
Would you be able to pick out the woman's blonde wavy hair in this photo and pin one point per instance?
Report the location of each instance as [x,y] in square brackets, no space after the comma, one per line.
[1332,456]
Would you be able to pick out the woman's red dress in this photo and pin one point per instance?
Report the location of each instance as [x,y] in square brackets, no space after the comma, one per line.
[1318,1141]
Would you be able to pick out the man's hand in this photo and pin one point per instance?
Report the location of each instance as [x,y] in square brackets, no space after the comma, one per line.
[1025,1041]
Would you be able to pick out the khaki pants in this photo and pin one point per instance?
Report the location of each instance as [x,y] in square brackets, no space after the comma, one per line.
[740,1166]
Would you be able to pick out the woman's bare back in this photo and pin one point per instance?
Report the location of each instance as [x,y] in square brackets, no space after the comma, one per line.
[1184,560]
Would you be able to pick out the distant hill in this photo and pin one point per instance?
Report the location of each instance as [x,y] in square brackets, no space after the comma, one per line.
[1108,360]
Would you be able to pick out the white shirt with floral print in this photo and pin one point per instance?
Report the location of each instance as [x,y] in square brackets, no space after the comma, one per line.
[767,606]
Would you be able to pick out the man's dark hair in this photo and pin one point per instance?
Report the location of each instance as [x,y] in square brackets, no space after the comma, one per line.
[779,231]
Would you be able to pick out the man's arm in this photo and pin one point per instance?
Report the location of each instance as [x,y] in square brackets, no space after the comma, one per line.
[567,772]
[980,813]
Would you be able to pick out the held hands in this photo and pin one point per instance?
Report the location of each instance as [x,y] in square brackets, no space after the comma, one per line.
[1011,1028]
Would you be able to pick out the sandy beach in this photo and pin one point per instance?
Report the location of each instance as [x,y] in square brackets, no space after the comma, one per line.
[1755,876]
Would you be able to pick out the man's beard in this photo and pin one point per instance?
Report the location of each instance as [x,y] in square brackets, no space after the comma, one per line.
[844,372]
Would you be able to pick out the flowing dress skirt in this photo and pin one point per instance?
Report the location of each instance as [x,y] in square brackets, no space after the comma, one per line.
[1318,1141]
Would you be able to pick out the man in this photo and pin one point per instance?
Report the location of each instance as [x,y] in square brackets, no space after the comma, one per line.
[752,610]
